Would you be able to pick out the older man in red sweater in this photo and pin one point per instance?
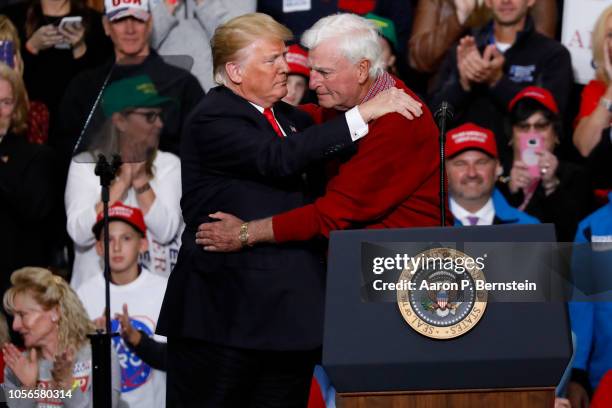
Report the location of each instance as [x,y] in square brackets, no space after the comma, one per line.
[391,181]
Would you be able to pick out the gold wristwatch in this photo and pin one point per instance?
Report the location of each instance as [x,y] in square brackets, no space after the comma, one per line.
[243,236]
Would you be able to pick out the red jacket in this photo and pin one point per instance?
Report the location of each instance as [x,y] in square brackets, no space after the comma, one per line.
[603,393]
[392,181]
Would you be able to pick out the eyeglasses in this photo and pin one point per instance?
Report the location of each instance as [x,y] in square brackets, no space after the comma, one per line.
[538,126]
[150,116]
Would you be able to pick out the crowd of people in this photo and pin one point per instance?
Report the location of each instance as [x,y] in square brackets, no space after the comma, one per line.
[248,131]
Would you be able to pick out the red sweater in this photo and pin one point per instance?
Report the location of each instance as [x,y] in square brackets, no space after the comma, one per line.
[392,181]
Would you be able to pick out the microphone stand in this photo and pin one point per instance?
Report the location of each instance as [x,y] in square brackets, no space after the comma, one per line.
[444,113]
[101,340]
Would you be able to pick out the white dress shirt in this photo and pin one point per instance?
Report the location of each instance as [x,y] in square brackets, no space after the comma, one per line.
[355,122]
[485,214]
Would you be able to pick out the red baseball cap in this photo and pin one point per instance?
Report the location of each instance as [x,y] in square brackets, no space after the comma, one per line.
[121,212]
[541,95]
[297,58]
[469,137]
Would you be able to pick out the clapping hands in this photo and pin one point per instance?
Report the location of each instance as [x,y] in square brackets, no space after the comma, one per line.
[474,67]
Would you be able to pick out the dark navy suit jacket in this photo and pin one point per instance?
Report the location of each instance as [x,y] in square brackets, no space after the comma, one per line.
[268,297]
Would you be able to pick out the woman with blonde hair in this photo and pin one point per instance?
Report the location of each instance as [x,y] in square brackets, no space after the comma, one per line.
[37,113]
[56,364]
[53,52]
[596,102]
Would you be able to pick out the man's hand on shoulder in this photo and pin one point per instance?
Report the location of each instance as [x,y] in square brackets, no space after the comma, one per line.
[389,101]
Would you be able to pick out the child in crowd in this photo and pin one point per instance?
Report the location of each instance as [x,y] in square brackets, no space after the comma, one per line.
[297,80]
[133,285]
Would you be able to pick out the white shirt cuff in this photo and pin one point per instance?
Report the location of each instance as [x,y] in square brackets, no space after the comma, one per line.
[357,126]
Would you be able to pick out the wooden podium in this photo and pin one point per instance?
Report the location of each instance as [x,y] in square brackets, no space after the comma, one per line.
[510,398]
[514,357]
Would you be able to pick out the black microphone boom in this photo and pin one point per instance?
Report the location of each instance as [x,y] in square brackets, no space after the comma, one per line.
[443,114]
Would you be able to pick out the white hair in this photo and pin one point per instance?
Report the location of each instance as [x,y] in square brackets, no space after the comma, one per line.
[358,39]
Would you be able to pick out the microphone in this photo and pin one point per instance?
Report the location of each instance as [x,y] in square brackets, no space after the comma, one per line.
[443,114]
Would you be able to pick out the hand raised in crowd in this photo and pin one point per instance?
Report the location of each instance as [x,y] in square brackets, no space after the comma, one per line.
[464,8]
[139,174]
[476,68]
[74,34]
[125,176]
[562,403]
[128,332]
[222,235]
[520,178]
[548,164]
[63,366]
[388,101]
[120,186]
[45,37]
[100,322]
[494,61]
[23,365]
[577,395]
[470,64]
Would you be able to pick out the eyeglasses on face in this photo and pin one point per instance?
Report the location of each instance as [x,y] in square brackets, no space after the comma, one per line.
[150,116]
[537,126]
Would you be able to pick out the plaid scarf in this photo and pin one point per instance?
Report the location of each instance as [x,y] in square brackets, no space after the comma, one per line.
[382,82]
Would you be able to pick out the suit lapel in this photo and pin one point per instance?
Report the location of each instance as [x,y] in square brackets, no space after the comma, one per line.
[241,106]
[285,123]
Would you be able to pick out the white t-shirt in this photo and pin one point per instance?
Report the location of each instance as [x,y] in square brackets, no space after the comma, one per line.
[164,219]
[141,385]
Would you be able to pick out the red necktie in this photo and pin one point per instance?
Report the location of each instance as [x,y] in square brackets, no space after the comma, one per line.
[270,116]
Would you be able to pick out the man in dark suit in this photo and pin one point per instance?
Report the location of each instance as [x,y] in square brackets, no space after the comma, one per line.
[245,329]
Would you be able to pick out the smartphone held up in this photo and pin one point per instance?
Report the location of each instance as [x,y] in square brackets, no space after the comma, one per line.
[70,23]
[530,145]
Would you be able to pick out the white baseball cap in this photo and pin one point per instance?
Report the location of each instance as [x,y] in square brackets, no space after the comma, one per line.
[117,9]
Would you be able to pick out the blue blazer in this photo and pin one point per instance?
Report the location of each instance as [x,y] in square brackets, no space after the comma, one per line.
[268,297]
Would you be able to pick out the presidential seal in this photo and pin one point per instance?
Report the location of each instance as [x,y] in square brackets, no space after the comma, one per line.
[441,300]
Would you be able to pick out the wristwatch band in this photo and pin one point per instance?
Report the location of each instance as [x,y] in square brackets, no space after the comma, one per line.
[243,236]
[146,187]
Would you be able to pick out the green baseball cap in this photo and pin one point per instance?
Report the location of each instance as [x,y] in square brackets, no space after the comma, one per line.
[386,28]
[133,92]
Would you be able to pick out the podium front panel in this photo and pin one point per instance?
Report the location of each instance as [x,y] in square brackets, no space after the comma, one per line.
[369,347]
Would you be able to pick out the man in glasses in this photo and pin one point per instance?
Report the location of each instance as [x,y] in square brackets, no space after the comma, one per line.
[129,25]
[473,168]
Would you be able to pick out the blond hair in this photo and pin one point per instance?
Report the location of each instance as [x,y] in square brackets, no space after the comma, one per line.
[8,32]
[19,121]
[4,330]
[51,291]
[238,33]
[598,38]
